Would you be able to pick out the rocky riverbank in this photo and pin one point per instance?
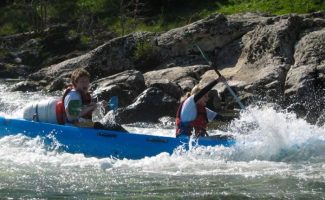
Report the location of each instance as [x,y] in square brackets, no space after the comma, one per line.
[277,59]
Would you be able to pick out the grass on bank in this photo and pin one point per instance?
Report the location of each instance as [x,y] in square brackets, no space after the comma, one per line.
[277,7]
[165,19]
[178,18]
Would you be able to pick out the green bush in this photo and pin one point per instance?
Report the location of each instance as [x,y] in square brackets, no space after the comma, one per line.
[117,15]
[277,7]
[7,29]
[85,40]
[146,56]
[13,20]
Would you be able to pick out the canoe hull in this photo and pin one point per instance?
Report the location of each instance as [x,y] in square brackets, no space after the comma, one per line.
[101,143]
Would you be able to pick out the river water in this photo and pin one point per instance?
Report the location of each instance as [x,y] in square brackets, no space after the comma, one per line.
[277,156]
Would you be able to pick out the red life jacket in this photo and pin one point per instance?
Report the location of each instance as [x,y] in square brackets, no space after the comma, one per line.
[199,123]
[60,110]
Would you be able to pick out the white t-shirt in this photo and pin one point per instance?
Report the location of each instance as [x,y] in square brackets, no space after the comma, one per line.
[73,103]
[72,95]
[189,111]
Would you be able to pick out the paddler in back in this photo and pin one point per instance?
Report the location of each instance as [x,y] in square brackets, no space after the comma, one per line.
[192,115]
[77,100]
[77,106]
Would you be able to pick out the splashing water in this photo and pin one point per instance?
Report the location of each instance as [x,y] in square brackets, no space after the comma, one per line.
[275,134]
[276,155]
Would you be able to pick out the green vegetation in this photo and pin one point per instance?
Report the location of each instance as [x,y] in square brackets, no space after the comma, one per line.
[146,55]
[3,52]
[125,16]
[8,66]
[277,7]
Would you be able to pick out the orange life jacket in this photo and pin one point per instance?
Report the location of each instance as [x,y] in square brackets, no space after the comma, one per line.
[199,123]
[60,110]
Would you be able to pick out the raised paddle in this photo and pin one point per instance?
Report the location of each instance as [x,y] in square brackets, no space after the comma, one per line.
[225,82]
[113,103]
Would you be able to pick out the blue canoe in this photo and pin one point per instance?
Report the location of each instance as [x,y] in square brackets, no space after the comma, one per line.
[103,143]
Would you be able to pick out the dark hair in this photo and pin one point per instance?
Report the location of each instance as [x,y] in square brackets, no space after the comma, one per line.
[78,73]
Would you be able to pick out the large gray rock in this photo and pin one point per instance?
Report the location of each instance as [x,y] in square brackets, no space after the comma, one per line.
[308,73]
[36,50]
[61,70]
[268,55]
[167,86]
[149,106]
[26,86]
[306,78]
[185,77]
[275,58]
[110,58]
[126,85]
[177,45]
[281,59]
[209,33]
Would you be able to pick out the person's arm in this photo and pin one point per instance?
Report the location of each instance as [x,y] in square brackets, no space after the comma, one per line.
[207,88]
[89,108]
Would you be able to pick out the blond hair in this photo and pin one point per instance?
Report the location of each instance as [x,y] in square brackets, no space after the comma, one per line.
[195,90]
[78,73]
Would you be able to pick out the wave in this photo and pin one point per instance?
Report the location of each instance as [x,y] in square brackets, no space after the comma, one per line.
[265,135]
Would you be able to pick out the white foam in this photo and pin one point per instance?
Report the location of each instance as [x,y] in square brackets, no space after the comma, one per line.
[269,141]
[274,133]
[24,151]
[12,103]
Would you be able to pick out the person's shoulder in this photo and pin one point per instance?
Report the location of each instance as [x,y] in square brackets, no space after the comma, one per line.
[73,93]
[190,98]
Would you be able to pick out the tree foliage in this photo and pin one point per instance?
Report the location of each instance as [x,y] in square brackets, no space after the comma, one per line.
[125,16]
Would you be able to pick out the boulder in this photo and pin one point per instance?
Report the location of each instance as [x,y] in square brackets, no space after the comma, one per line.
[149,106]
[272,58]
[167,86]
[110,58]
[185,77]
[215,31]
[308,73]
[268,55]
[125,85]
[305,81]
[210,34]
[26,86]
[13,71]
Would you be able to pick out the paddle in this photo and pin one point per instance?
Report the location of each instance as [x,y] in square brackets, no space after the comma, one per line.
[113,103]
[110,123]
[189,35]
[225,82]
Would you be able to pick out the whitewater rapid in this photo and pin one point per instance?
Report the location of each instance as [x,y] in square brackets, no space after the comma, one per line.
[276,155]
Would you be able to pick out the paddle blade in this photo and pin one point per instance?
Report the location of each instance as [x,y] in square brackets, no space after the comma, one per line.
[113,103]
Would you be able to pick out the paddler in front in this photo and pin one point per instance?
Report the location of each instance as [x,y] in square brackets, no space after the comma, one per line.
[77,105]
[192,115]
[77,100]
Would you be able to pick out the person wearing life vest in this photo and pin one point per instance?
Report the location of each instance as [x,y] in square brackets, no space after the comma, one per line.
[192,116]
[76,106]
